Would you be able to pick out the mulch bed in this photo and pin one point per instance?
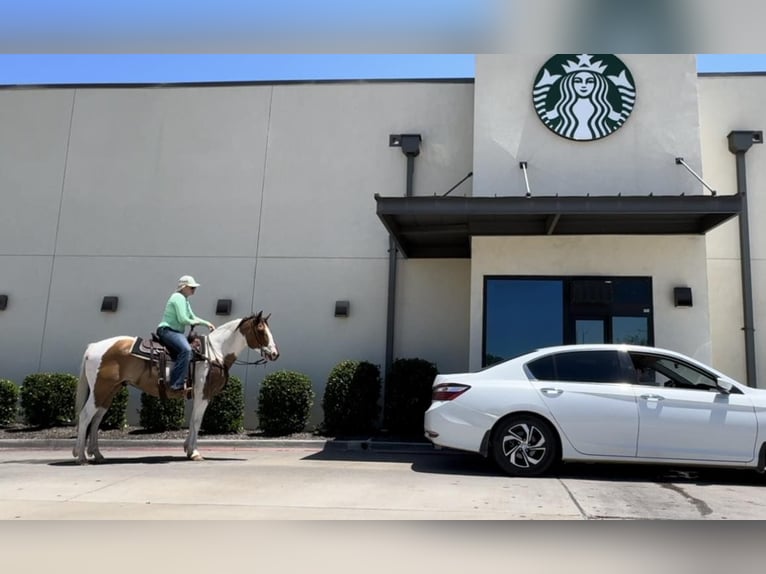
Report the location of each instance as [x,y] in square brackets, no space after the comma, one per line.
[138,433]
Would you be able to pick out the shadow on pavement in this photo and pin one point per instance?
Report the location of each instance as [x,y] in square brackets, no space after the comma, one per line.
[453,462]
[164,459]
[659,474]
[428,461]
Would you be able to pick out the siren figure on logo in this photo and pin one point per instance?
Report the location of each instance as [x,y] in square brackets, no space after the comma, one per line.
[586,104]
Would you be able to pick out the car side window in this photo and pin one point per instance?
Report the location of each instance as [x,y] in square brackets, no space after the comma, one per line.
[670,372]
[579,366]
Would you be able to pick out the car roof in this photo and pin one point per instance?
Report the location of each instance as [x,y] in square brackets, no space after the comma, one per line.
[604,347]
[611,347]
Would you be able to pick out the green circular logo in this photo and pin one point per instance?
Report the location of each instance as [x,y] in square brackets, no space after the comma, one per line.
[584,97]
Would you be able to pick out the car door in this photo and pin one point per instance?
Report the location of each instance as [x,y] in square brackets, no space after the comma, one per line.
[590,398]
[684,416]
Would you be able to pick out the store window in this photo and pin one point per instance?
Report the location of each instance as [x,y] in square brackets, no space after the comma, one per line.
[525,313]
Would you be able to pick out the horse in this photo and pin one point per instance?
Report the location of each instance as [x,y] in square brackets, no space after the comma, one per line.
[109,364]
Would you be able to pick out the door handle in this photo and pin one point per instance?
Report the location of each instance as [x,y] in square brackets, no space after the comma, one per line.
[653,398]
[551,392]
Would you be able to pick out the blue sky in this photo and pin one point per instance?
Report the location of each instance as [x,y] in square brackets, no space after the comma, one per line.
[36,69]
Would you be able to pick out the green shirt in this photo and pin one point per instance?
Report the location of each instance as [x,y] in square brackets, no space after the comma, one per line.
[179,314]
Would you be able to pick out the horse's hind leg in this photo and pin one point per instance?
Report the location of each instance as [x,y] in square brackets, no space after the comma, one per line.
[93,435]
[84,420]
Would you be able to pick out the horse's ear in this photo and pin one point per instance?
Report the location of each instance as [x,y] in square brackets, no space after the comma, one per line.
[266,318]
[259,316]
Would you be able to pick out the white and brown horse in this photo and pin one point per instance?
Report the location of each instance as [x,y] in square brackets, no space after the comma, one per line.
[109,364]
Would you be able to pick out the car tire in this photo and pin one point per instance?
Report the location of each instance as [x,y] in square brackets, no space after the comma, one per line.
[524,445]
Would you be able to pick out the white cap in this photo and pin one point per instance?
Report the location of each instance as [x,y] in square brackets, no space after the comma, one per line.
[187,281]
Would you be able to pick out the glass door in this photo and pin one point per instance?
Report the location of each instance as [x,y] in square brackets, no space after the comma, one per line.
[630,330]
[590,330]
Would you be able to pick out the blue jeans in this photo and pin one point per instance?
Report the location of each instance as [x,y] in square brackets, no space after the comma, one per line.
[177,344]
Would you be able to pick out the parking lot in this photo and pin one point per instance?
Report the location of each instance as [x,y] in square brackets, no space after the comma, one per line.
[328,482]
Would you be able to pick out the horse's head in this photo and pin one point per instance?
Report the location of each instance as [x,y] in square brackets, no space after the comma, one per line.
[255,329]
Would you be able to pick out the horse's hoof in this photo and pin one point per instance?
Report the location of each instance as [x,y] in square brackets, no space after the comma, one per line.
[82,461]
[196,456]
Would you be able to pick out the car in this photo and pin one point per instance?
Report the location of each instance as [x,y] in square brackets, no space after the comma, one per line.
[599,403]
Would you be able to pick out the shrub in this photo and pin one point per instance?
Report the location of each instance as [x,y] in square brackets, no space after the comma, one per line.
[9,402]
[226,412]
[350,400]
[116,415]
[408,395]
[47,399]
[158,416]
[284,403]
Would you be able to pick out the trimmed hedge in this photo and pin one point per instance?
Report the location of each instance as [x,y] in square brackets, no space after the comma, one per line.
[47,399]
[116,416]
[9,402]
[350,400]
[284,403]
[226,412]
[408,395]
[156,415]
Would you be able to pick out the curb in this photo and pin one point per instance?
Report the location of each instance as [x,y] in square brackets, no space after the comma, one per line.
[335,445]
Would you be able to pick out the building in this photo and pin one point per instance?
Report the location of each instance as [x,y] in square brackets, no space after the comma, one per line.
[518,220]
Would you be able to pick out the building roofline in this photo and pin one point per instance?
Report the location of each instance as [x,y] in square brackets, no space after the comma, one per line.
[220,84]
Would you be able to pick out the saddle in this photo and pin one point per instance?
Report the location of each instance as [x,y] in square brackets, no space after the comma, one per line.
[154,351]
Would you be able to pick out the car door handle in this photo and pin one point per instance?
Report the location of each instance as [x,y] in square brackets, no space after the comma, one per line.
[551,392]
[653,398]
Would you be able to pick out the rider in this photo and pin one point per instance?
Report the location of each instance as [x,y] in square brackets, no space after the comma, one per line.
[179,314]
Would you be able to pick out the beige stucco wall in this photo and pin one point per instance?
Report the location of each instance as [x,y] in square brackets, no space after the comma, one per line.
[730,103]
[637,159]
[263,192]
[670,261]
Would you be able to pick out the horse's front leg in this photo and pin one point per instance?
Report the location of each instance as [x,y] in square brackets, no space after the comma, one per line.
[198,411]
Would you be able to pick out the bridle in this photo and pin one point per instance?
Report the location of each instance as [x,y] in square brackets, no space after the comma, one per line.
[260,361]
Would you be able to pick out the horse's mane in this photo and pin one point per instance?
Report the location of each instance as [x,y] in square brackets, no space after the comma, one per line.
[251,316]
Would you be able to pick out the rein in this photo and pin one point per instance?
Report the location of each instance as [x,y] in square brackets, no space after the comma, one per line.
[260,361]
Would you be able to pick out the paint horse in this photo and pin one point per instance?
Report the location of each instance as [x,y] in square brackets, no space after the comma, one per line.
[109,364]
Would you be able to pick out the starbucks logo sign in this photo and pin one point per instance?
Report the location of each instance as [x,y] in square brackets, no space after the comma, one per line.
[584,97]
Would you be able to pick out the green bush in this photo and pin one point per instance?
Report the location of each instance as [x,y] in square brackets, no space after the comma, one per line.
[116,415]
[284,403]
[9,402]
[158,416]
[350,400]
[47,399]
[408,395]
[226,412]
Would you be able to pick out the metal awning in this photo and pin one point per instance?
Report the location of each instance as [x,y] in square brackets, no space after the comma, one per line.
[441,227]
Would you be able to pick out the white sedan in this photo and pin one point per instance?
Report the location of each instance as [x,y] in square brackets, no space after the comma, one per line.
[600,403]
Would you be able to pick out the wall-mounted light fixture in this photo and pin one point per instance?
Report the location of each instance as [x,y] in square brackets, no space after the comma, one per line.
[109,304]
[223,307]
[410,143]
[341,308]
[3,302]
[682,296]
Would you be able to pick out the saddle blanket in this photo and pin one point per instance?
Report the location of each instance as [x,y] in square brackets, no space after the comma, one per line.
[143,348]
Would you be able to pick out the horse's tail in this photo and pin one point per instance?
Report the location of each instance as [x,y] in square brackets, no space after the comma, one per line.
[82,386]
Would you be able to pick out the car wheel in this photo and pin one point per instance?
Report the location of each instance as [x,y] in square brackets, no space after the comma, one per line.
[524,445]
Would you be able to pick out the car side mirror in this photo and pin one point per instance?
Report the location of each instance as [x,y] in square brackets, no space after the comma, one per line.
[724,386]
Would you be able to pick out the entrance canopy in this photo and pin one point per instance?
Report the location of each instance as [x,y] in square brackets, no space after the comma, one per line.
[442,227]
